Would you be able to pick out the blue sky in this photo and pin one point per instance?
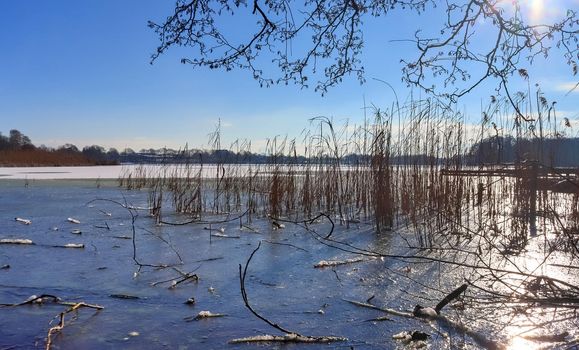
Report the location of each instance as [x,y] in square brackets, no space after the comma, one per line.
[78,72]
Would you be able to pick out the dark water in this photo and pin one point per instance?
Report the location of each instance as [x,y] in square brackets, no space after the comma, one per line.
[282,283]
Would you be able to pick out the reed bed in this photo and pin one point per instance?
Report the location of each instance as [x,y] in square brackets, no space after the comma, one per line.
[395,170]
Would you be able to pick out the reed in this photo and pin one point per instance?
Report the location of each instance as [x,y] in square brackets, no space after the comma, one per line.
[403,167]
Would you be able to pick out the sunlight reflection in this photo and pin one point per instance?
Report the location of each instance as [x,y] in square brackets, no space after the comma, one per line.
[517,343]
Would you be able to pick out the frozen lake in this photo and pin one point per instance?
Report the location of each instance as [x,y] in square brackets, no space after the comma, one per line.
[144,308]
[282,282]
[76,172]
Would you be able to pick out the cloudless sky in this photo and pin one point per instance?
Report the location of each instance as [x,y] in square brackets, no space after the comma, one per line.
[79,72]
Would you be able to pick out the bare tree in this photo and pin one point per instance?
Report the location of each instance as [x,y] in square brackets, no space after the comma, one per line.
[455,59]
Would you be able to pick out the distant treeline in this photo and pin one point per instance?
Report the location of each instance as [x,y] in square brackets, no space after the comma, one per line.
[18,150]
[560,152]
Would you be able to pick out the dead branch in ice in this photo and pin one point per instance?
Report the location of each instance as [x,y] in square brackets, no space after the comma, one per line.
[221,235]
[60,326]
[450,297]
[124,296]
[288,336]
[105,226]
[205,222]
[168,243]
[35,299]
[329,263]
[134,214]
[309,221]
[44,298]
[434,315]
[16,241]
[23,221]
[286,244]
[208,259]
[185,276]
[105,213]
[125,205]
[70,245]
[386,310]
[202,315]
[249,228]
[21,241]
[380,319]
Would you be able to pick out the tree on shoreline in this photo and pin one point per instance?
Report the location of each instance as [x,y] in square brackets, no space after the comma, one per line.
[16,140]
[455,59]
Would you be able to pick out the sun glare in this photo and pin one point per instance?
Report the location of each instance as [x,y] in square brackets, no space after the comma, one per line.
[537,9]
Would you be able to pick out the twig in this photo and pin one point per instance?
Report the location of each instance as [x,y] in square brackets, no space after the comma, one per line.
[286,244]
[289,335]
[60,325]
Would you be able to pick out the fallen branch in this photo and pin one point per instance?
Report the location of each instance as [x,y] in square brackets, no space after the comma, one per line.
[286,244]
[124,296]
[204,222]
[21,241]
[105,226]
[23,221]
[204,314]
[460,328]
[328,263]
[249,228]
[73,306]
[185,276]
[35,299]
[16,241]
[73,220]
[221,235]
[60,325]
[450,297]
[289,336]
[70,245]
[386,310]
